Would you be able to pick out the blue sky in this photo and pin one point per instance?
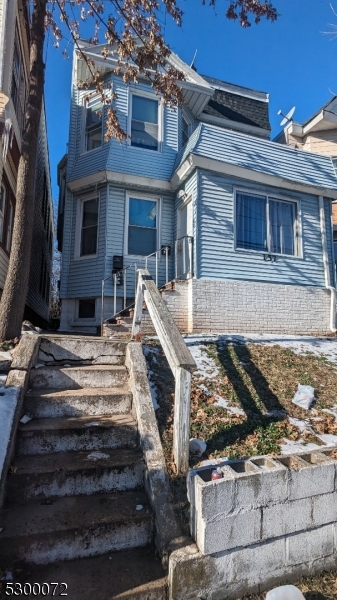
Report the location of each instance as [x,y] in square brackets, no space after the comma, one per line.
[291,59]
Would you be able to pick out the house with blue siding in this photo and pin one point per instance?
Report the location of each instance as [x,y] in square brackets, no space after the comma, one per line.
[240,225]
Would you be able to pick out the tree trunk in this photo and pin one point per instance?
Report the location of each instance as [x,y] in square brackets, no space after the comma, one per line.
[16,285]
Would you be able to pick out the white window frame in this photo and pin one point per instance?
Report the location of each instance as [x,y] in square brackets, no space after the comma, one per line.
[78,228]
[334,162]
[137,196]
[298,238]
[85,319]
[86,100]
[134,92]
[187,119]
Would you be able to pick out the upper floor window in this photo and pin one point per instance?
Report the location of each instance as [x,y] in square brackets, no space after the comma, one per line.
[142,226]
[144,126]
[185,129]
[93,124]
[266,224]
[6,218]
[18,88]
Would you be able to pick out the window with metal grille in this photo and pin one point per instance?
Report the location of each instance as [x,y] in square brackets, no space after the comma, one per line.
[266,224]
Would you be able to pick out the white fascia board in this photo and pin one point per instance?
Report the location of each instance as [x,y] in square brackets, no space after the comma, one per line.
[115,177]
[234,125]
[294,129]
[309,126]
[194,77]
[194,161]
[241,91]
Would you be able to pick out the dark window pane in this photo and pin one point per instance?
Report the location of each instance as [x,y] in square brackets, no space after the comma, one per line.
[142,240]
[185,129]
[251,227]
[90,212]
[142,213]
[94,126]
[94,139]
[89,240]
[86,308]
[282,221]
[94,115]
[144,109]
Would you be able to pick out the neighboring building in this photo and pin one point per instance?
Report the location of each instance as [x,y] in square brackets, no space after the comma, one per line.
[318,134]
[256,253]
[14,68]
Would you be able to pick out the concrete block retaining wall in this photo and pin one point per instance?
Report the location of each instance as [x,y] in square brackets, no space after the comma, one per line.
[268,520]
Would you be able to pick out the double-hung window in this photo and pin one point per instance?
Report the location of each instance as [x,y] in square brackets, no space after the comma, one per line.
[93,124]
[142,233]
[266,224]
[144,129]
[89,226]
[18,90]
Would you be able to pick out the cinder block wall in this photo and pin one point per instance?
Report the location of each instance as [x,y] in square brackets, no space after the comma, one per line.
[214,305]
[266,520]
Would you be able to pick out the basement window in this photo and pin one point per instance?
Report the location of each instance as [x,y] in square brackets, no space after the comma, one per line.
[86,308]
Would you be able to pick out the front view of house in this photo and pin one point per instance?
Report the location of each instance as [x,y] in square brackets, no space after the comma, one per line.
[198,195]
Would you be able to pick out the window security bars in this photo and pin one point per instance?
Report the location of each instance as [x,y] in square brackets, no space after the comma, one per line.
[172,261]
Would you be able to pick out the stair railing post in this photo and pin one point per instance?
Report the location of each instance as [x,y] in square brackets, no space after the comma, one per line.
[137,315]
[115,293]
[157,269]
[124,303]
[166,264]
[181,425]
[102,307]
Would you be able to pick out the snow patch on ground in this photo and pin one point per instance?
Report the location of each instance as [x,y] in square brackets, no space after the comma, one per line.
[224,403]
[8,403]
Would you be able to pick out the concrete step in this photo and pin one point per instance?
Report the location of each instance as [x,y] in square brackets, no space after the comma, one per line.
[74,527]
[57,350]
[73,473]
[129,574]
[76,403]
[75,434]
[62,378]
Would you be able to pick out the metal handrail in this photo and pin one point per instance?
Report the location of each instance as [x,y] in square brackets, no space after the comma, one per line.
[154,255]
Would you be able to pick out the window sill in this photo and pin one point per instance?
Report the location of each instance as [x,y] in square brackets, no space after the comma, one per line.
[263,252]
[87,256]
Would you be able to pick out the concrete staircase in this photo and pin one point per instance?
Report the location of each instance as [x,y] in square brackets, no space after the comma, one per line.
[76,510]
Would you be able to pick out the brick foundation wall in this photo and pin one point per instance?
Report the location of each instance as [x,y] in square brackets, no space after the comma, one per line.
[253,307]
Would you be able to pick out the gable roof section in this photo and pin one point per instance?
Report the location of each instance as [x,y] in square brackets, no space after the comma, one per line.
[254,158]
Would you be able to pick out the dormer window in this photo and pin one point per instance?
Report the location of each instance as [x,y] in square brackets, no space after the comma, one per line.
[144,122]
[93,124]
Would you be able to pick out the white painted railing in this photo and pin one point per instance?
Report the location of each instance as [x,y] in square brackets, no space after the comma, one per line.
[172,260]
[178,357]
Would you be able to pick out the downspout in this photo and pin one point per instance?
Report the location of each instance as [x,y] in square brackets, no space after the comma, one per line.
[326,266]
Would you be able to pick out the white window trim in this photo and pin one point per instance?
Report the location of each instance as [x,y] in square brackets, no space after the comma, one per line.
[78,226]
[83,320]
[84,105]
[135,92]
[298,238]
[158,199]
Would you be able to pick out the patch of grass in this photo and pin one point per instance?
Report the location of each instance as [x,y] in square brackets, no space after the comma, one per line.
[317,587]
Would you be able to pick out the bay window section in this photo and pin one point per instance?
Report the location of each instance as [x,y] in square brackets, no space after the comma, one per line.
[93,124]
[142,226]
[266,224]
[89,227]
[144,122]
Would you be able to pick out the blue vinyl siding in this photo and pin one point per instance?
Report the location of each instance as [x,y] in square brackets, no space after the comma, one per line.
[120,157]
[216,256]
[261,155]
[83,277]
[115,237]
[190,189]
[328,227]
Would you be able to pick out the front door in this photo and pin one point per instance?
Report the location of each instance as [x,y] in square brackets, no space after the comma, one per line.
[184,241]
